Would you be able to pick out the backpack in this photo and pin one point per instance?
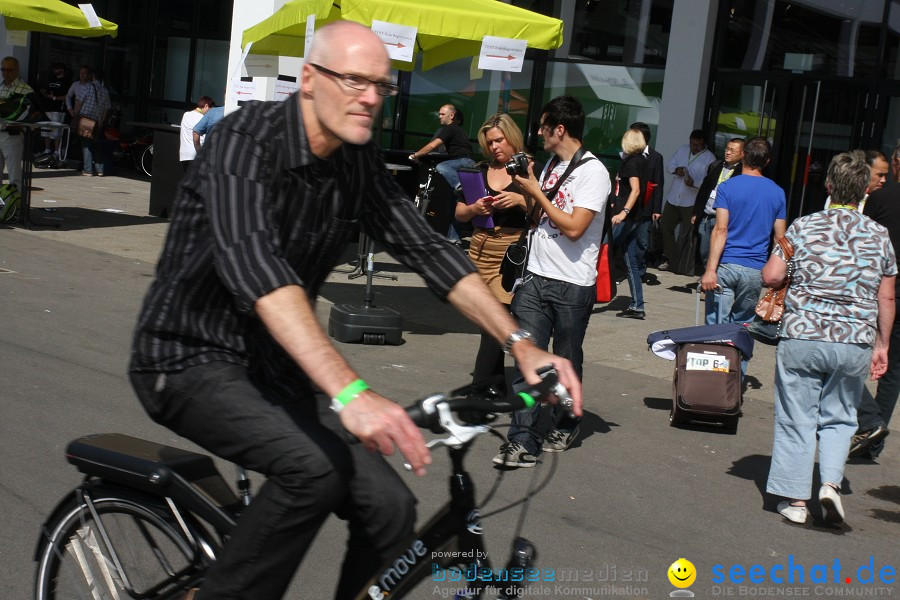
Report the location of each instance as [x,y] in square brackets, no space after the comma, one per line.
[10,200]
[14,106]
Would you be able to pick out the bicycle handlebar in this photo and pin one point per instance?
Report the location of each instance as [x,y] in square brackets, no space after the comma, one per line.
[426,415]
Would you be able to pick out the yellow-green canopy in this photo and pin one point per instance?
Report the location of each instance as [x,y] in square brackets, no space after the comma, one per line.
[447,30]
[52,16]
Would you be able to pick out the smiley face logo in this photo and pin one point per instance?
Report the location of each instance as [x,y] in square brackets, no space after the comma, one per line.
[682,573]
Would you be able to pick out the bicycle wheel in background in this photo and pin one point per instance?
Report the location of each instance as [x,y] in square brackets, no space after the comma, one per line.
[147,161]
[151,559]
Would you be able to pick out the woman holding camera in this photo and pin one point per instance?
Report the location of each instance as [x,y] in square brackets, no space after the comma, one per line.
[500,138]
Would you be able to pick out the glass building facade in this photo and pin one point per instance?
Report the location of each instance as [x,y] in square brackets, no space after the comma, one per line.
[816,76]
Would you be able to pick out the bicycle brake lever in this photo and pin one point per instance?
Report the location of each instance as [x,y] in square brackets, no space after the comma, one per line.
[459,434]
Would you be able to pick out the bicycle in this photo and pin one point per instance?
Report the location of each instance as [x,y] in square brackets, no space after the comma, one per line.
[149,519]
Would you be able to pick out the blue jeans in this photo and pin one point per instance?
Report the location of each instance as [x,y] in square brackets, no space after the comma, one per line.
[642,236]
[740,293]
[549,307]
[87,153]
[448,169]
[707,223]
[817,389]
[625,236]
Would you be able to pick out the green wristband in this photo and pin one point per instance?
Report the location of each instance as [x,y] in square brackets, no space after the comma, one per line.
[349,393]
[528,398]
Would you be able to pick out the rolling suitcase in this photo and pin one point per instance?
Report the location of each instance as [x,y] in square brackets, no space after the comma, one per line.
[706,386]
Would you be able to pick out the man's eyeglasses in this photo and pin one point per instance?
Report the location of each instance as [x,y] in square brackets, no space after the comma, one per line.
[360,83]
[8,70]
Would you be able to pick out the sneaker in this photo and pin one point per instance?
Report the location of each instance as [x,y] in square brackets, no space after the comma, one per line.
[630,313]
[862,440]
[559,441]
[795,514]
[86,174]
[663,266]
[513,454]
[830,500]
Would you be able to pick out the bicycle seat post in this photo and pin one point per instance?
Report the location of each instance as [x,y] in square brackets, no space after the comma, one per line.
[243,485]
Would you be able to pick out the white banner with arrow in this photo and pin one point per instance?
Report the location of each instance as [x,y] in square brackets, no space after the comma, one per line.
[502,54]
[399,40]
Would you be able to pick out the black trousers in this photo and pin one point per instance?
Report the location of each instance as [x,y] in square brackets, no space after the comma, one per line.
[312,470]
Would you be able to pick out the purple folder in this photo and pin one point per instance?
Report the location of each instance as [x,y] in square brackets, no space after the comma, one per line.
[473,189]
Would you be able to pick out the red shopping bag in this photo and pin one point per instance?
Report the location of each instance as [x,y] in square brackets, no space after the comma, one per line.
[606,283]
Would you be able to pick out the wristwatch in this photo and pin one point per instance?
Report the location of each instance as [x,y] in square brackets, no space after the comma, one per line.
[515,336]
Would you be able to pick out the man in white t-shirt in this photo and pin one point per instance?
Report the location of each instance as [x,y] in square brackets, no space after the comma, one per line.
[559,289]
[186,151]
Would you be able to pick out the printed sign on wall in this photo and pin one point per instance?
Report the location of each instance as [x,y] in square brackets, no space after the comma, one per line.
[502,54]
[399,40]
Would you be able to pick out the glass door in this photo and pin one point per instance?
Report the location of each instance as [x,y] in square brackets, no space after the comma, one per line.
[824,118]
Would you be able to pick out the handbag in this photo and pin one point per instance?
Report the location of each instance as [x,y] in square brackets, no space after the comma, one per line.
[512,267]
[770,307]
[87,127]
[515,260]
[606,283]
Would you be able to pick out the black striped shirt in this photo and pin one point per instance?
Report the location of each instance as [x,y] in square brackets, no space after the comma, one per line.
[257,211]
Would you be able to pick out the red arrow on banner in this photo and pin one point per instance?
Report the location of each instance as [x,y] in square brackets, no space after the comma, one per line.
[244,93]
[398,44]
[507,57]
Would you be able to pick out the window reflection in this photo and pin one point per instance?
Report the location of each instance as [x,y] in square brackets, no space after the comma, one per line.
[818,36]
[623,31]
[479,94]
[613,97]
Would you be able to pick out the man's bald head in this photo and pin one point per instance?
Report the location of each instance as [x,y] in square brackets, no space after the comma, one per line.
[331,41]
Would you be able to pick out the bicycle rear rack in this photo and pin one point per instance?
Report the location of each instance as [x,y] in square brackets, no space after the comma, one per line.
[189,478]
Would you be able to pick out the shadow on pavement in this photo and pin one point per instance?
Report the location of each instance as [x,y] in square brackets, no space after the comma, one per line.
[422,312]
[71,218]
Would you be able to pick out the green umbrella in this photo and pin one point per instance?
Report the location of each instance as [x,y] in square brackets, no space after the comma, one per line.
[52,16]
[446,30]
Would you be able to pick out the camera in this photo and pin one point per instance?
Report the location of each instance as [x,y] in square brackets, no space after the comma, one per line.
[517,165]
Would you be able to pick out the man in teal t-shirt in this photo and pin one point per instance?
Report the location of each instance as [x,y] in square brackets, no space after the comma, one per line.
[748,210]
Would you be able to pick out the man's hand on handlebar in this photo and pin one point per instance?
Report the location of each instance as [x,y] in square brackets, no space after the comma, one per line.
[530,358]
[380,425]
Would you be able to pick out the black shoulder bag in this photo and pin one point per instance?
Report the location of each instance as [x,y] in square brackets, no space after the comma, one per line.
[512,268]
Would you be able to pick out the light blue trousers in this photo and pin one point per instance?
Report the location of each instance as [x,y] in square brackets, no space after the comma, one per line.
[818,386]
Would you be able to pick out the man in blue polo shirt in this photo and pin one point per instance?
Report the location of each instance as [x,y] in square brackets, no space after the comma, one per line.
[748,210]
[212,116]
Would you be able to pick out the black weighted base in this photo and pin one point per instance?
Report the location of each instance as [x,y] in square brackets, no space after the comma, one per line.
[365,324]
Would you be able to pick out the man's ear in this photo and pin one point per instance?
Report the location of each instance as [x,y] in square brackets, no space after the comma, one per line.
[307,84]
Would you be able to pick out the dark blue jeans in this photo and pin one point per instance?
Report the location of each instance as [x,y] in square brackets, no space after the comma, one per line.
[311,471]
[625,236]
[550,308]
[876,411]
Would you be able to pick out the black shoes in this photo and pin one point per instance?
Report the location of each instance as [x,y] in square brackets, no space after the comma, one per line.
[864,439]
[630,313]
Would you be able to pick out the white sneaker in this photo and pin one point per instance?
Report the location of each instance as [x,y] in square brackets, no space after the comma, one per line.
[796,514]
[830,500]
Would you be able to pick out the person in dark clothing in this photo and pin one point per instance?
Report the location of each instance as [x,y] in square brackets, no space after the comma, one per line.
[704,218]
[627,211]
[506,205]
[454,139]
[652,201]
[874,412]
[56,85]
[228,351]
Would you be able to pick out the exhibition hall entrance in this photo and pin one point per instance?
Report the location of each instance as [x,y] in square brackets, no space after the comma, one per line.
[807,120]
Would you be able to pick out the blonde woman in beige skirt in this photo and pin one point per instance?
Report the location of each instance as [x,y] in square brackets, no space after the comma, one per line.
[499,139]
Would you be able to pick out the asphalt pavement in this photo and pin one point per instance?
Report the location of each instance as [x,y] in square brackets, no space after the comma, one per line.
[609,516]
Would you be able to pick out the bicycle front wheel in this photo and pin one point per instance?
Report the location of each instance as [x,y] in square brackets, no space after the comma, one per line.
[127,550]
[147,161]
